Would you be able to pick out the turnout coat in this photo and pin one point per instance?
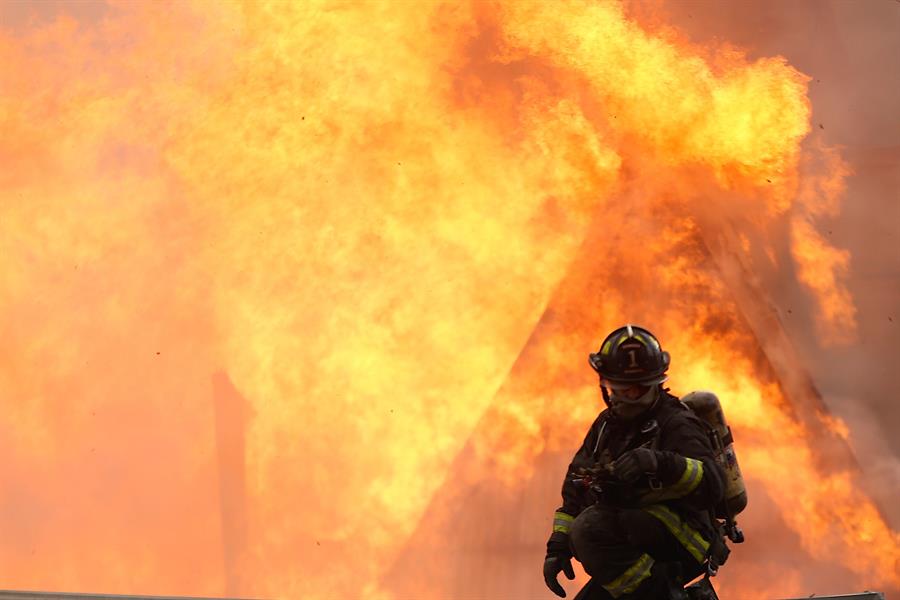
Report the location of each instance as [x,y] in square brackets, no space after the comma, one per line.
[682,494]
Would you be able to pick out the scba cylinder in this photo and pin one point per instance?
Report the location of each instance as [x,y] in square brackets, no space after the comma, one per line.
[706,405]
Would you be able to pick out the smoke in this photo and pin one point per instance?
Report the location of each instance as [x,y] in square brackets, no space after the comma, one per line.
[108,425]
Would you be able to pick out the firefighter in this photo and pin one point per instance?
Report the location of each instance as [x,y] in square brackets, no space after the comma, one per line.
[646,519]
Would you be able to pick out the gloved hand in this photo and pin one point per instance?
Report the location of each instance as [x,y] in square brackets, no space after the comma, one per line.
[559,558]
[630,466]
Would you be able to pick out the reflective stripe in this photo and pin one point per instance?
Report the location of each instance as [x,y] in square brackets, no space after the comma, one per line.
[689,537]
[690,479]
[562,522]
[629,581]
[648,340]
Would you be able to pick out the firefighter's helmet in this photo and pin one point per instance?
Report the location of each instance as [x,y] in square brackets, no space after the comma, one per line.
[631,355]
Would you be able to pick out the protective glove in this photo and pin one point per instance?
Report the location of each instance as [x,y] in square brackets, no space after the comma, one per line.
[633,464]
[559,558]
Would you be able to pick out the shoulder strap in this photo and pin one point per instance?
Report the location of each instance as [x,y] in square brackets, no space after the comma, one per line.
[599,438]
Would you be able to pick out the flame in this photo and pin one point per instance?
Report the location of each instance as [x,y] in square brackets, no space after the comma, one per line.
[820,268]
[398,231]
[835,425]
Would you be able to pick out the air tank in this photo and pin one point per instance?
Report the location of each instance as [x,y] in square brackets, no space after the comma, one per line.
[706,405]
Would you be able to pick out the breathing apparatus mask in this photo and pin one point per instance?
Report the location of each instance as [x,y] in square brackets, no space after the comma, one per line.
[629,400]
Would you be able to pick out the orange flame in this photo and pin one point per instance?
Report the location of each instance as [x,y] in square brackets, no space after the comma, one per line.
[398,230]
[820,267]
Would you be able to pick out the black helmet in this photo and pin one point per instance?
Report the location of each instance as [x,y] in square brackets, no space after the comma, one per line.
[631,354]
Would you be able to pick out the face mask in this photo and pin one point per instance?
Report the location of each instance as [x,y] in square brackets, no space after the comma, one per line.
[627,408]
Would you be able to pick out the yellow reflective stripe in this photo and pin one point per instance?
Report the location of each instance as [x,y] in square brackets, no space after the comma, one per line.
[562,522]
[690,479]
[629,581]
[689,537]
